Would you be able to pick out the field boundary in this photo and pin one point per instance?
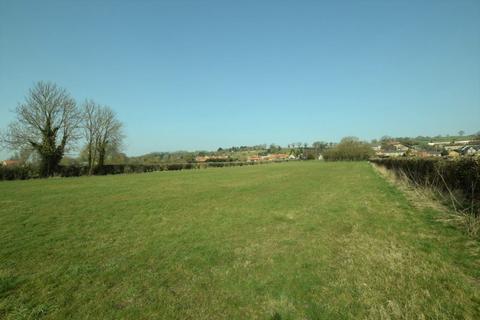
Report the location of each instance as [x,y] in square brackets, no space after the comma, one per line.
[26,172]
[432,198]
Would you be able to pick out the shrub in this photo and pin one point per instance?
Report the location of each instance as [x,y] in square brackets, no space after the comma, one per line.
[349,149]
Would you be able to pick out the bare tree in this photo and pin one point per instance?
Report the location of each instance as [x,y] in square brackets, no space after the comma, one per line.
[47,122]
[102,132]
[91,130]
[110,133]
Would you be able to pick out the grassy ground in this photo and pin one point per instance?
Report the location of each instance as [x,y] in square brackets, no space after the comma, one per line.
[282,241]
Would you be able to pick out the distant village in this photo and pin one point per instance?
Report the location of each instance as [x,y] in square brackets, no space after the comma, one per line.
[252,158]
[421,147]
[388,149]
[446,149]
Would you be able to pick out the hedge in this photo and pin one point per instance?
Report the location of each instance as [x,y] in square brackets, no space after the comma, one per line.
[456,176]
[18,172]
[30,172]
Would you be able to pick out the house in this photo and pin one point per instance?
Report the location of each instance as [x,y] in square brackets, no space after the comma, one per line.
[11,163]
[445,143]
[440,143]
[452,147]
[201,158]
[279,156]
[275,157]
[469,150]
[400,147]
[254,159]
[436,154]
[211,158]
[391,154]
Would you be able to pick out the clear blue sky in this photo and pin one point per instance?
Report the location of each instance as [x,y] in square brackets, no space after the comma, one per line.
[197,75]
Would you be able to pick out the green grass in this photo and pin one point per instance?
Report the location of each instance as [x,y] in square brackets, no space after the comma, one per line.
[282,241]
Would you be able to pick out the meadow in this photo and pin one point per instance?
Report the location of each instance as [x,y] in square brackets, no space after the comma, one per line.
[302,240]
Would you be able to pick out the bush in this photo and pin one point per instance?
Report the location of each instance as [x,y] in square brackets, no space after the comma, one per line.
[349,149]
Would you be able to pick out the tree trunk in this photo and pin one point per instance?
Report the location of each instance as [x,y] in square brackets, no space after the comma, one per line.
[49,153]
[49,164]
[101,159]
[91,158]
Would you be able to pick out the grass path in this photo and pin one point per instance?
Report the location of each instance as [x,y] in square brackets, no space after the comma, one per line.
[303,240]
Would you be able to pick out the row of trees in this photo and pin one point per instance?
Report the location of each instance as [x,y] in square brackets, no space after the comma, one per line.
[50,123]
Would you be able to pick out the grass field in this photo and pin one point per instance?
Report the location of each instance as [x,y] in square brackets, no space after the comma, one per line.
[306,240]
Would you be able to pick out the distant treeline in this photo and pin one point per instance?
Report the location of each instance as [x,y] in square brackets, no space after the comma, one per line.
[458,179]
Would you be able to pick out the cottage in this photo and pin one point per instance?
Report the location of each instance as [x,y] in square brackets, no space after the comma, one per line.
[400,147]
[434,153]
[279,156]
[446,143]
[439,143]
[452,147]
[211,158]
[201,158]
[391,154]
[254,159]
[469,150]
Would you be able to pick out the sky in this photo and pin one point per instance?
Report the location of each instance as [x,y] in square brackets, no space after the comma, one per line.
[198,75]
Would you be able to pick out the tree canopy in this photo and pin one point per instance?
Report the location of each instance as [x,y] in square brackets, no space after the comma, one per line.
[47,122]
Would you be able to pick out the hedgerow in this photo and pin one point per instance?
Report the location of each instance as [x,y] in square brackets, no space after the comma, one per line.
[18,172]
[28,172]
[457,178]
